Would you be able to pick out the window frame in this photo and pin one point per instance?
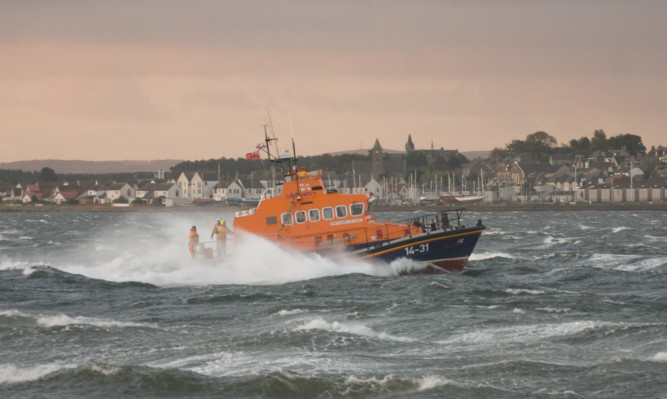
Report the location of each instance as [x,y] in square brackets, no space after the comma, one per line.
[333,213]
[317,212]
[362,209]
[344,208]
[303,213]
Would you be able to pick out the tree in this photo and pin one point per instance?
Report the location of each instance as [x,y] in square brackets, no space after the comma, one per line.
[632,143]
[541,139]
[581,146]
[415,160]
[47,175]
[537,145]
[599,141]
[499,154]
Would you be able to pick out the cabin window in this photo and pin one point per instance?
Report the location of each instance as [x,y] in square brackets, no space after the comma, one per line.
[327,213]
[271,220]
[341,211]
[314,215]
[286,218]
[300,216]
[357,209]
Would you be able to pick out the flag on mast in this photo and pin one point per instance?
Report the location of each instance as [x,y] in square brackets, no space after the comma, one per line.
[252,155]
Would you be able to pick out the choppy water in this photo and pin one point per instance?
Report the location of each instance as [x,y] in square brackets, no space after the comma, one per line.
[551,305]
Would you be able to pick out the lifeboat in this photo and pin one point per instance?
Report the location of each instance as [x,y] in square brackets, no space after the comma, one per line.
[301,213]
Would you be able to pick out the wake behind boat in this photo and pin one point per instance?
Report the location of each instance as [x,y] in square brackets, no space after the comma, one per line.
[303,214]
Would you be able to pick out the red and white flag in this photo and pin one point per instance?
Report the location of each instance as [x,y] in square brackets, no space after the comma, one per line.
[252,155]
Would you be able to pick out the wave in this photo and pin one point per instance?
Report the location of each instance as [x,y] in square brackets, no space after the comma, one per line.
[524,333]
[11,374]
[627,263]
[659,357]
[519,291]
[285,312]
[353,328]
[491,255]
[553,310]
[13,317]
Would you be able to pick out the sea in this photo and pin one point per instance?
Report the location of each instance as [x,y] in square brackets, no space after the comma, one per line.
[550,305]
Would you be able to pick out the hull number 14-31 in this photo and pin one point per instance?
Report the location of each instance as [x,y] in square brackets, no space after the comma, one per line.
[416,249]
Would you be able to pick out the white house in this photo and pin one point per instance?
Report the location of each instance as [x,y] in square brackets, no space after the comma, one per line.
[194,185]
[170,193]
[374,187]
[119,190]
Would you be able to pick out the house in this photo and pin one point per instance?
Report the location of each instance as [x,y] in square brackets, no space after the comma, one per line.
[194,185]
[252,187]
[167,193]
[561,159]
[95,194]
[526,172]
[67,194]
[119,190]
[235,191]
[376,188]
[221,190]
[209,183]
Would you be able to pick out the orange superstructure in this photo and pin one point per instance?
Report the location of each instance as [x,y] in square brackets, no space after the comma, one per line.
[303,214]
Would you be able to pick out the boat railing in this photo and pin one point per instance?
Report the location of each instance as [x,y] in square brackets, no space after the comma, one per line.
[240,214]
[268,193]
[436,221]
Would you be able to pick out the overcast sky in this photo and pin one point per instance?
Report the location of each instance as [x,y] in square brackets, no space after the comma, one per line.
[113,80]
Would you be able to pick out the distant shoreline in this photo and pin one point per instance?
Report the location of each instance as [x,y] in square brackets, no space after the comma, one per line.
[429,208]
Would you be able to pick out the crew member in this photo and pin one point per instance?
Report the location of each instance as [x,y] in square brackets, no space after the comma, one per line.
[445,221]
[220,231]
[194,240]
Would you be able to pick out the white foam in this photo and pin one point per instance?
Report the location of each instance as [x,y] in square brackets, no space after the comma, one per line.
[628,263]
[431,381]
[290,312]
[64,320]
[617,229]
[165,261]
[644,265]
[353,328]
[519,291]
[490,255]
[660,357]
[58,320]
[530,332]
[554,310]
[11,374]
[9,264]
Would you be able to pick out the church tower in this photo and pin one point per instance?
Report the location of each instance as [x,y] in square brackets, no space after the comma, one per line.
[409,146]
[376,154]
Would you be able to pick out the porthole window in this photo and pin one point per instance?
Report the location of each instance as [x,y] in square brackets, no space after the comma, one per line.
[300,216]
[314,215]
[357,209]
[341,211]
[327,213]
